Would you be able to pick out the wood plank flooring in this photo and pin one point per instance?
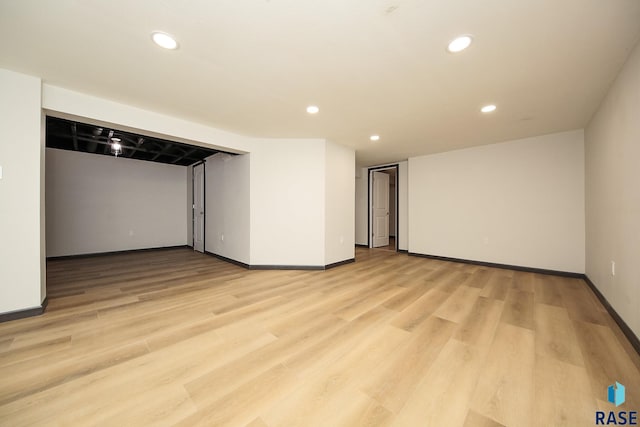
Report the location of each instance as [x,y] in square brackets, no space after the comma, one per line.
[178,338]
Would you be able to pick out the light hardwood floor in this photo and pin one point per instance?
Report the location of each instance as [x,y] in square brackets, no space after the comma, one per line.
[178,338]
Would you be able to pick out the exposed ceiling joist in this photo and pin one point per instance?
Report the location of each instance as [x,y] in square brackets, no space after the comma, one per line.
[138,143]
[76,136]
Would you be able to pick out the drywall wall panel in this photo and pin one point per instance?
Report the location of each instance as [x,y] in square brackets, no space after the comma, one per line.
[22,269]
[99,203]
[339,203]
[189,206]
[227,206]
[237,207]
[403,206]
[393,202]
[518,202]
[361,209]
[288,202]
[214,204]
[612,149]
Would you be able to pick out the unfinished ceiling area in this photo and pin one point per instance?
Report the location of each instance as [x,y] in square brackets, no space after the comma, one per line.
[76,136]
[372,67]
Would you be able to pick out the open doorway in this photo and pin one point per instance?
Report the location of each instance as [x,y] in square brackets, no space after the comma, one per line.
[383,207]
[111,190]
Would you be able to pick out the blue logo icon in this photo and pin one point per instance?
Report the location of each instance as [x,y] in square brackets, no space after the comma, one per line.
[616,394]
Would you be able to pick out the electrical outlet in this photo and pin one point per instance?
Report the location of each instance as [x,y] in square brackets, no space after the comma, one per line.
[613,268]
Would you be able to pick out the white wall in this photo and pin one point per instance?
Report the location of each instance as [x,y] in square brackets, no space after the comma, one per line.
[189,206]
[361,212]
[101,203]
[214,204]
[22,270]
[361,209]
[339,230]
[392,205]
[288,202]
[403,206]
[519,203]
[612,144]
[227,206]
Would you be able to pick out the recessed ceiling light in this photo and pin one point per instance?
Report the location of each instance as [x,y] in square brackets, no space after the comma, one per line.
[459,43]
[488,108]
[374,137]
[312,109]
[164,40]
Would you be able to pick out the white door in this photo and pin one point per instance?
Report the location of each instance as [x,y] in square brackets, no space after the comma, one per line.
[198,208]
[380,227]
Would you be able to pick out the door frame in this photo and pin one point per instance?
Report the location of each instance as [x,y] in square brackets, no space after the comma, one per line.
[204,205]
[370,171]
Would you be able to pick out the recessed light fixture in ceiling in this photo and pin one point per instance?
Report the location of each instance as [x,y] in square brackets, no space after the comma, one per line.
[312,109]
[374,137]
[164,40]
[488,108]
[460,43]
